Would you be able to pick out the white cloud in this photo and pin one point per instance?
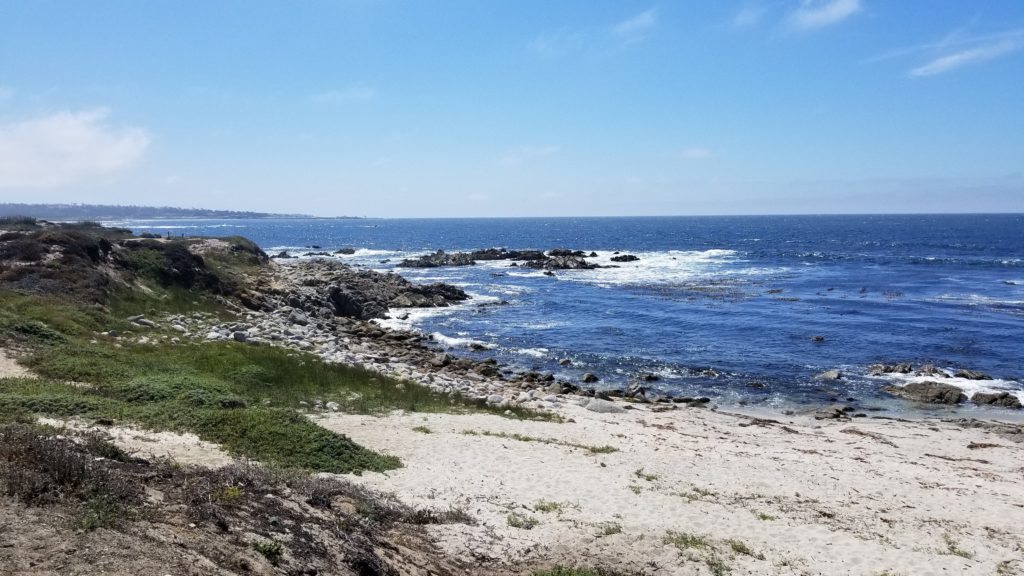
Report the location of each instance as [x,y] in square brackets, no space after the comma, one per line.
[696,153]
[525,153]
[66,148]
[557,43]
[748,16]
[815,14]
[977,54]
[636,27]
[358,92]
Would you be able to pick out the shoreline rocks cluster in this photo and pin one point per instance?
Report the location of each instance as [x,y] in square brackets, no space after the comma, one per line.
[557,259]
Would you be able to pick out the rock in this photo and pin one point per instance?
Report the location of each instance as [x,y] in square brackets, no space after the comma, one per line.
[928,392]
[589,378]
[879,369]
[297,317]
[817,338]
[495,399]
[603,406]
[240,336]
[345,251]
[212,335]
[179,328]
[437,259]
[283,254]
[625,258]
[562,262]
[145,322]
[830,375]
[565,362]
[972,375]
[1001,399]
[550,398]
[333,406]
[931,370]
[523,397]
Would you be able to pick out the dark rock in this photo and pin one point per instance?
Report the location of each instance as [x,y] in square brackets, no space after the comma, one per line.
[625,258]
[346,251]
[1001,399]
[283,254]
[589,378]
[879,369]
[562,262]
[561,252]
[648,377]
[817,338]
[972,375]
[830,375]
[928,392]
[438,259]
[565,362]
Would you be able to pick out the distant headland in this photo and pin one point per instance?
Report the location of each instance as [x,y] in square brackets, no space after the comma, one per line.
[112,212]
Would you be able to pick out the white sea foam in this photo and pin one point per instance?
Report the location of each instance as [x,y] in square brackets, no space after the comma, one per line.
[968,386]
[451,342]
[534,352]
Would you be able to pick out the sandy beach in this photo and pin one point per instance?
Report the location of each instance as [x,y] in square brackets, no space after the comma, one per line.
[693,491]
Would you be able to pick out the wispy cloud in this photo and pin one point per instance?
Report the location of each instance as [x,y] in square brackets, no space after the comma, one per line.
[558,43]
[636,27]
[748,16]
[956,50]
[976,55]
[66,148]
[526,153]
[567,40]
[816,14]
[358,92]
[695,153]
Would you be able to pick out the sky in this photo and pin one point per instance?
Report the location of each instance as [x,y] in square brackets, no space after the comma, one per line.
[515,108]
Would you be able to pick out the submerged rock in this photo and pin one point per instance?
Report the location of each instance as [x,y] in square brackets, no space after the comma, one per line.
[830,375]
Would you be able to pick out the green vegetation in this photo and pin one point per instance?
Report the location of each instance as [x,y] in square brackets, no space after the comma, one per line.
[422,430]
[272,550]
[766,517]
[563,571]
[684,540]
[523,438]
[547,506]
[609,529]
[517,520]
[740,547]
[953,548]
[697,493]
[639,473]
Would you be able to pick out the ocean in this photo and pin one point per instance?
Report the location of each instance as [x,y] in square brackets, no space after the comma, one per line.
[726,307]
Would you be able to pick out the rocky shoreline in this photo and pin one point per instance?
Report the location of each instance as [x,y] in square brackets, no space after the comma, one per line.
[330,309]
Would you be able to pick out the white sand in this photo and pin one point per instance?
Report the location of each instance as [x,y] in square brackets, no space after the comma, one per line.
[818,499]
[187,449]
[9,367]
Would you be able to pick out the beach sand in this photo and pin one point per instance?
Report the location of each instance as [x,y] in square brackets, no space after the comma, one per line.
[694,491]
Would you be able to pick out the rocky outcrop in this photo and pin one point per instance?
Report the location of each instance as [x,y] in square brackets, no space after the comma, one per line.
[562,262]
[503,254]
[438,259]
[324,289]
[625,258]
[972,375]
[880,369]
[928,393]
[1000,399]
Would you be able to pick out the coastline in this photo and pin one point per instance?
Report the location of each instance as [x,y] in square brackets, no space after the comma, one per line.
[533,471]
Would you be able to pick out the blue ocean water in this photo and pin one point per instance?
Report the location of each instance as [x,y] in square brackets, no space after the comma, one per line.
[714,304]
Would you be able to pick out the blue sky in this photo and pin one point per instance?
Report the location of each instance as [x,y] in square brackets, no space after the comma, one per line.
[487,108]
